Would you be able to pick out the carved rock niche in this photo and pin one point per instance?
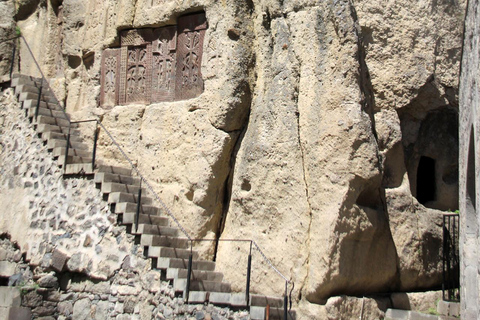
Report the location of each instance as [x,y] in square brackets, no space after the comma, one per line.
[155,65]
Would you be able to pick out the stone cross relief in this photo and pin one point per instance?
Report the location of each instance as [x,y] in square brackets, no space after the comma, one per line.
[155,65]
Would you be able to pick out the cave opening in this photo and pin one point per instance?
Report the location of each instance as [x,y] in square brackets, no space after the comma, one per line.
[426,186]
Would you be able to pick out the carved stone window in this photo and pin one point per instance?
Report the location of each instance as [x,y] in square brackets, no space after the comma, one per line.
[154,65]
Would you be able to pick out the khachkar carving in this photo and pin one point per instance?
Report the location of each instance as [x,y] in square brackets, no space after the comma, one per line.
[164,62]
[191,31]
[110,75]
[139,65]
[155,65]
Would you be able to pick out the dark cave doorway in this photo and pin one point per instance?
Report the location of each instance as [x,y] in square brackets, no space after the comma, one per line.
[426,180]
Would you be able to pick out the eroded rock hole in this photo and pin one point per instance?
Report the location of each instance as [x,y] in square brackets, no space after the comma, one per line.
[74,62]
[246,186]
[88,61]
[426,186]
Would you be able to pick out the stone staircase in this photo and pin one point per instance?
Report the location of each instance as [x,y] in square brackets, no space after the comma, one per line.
[165,245]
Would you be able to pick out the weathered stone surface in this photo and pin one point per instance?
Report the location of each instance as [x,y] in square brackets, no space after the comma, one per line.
[58,260]
[469,179]
[7,30]
[48,281]
[7,269]
[82,309]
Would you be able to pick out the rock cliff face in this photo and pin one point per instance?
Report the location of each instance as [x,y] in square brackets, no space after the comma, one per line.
[326,130]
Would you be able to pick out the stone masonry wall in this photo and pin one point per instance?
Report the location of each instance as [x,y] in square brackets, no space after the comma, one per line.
[469,163]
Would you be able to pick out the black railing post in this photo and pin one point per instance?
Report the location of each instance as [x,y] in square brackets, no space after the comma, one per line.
[66,150]
[95,139]
[444,253]
[189,272]
[139,205]
[249,270]
[13,60]
[38,100]
[285,303]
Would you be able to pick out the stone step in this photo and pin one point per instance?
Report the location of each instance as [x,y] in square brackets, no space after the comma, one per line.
[28,87]
[126,207]
[197,297]
[154,229]
[262,301]
[165,263]
[73,159]
[396,314]
[34,96]
[117,197]
[79,169]
[43,128]
[61,136]
[56,143]
[175,273]
[448,308]
[232,299]
[61,122]
[129,218]
[166,252]
[19,79]
[15,313]
[47,95]
[109,187]
[237,300]
[114,169]
[46,112]
[32,104]
[259,313]
[164,241]
[179,285]
[10,297]
[60,152]
[102,177]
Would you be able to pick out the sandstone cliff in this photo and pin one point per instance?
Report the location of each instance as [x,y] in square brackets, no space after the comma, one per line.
[316,120]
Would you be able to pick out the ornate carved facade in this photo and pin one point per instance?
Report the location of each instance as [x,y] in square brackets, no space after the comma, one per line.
[154,65]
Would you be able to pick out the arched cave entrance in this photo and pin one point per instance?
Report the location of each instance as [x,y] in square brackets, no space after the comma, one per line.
[431,157]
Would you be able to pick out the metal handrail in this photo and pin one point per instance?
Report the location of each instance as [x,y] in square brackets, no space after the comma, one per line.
[143,180]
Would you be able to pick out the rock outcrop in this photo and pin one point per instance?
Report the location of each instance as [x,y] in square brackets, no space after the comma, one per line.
[326,131]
